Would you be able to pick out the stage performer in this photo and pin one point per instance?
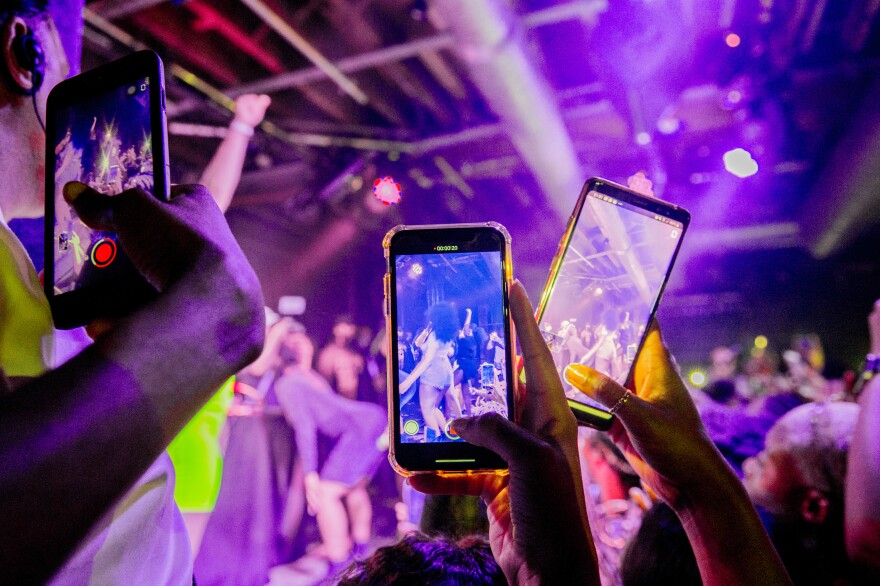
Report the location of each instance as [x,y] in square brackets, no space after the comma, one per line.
[336,493]
[434,370]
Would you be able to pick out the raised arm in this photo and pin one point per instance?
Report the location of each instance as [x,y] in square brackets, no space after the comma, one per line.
[75,439]
[862,516]
[661,434]
[223,173]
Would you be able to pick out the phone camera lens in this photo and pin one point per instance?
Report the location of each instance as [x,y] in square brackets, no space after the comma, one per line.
[131,90]
[143,87]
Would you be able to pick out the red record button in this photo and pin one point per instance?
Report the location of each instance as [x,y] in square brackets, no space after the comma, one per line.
[103,253]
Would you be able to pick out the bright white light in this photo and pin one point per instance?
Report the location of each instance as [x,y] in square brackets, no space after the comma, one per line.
[643,138]
[415,270]
[668,125]
[698,378]
[598,291]
[739,162]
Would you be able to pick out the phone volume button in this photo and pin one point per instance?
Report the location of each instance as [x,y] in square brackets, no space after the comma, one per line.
[162,98]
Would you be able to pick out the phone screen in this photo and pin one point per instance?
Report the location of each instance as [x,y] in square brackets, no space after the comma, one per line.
[451,350]
[609,280]
[104,141]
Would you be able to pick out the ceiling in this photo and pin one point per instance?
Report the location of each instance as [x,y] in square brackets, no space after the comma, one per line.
[494,109]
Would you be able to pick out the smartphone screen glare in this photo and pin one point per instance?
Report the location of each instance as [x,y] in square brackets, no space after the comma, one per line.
[433,292]
[607,287]
[104,141]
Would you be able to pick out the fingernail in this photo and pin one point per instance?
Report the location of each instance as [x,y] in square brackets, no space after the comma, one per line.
[578,375]
[73,189]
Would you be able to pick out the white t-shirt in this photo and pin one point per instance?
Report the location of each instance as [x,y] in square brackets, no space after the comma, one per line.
[143,539]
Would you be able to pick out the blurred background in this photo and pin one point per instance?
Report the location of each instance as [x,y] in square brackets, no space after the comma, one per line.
[759,116]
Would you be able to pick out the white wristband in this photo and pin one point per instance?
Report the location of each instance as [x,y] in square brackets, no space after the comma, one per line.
[242,128]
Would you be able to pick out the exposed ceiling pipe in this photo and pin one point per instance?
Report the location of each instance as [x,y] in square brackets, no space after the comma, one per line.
[846,198]
[574,10]
[121,8]
[280,26]
[487,40]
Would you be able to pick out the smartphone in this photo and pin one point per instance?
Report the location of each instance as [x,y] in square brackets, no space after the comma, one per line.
[435,275]
[605,283]
[107,128]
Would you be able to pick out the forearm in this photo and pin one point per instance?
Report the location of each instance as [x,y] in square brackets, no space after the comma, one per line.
[223,173]
[721,524]
[862,514]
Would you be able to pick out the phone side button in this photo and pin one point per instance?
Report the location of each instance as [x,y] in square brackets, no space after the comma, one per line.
[387,305]
[162,98]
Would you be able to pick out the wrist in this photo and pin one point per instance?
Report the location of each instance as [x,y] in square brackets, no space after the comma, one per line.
[241,127]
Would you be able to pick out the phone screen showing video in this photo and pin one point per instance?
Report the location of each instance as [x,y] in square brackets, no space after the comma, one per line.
[451,341]
[609,280]
[105,142]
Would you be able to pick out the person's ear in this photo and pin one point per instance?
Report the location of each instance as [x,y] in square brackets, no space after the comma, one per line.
[814,507]
[20,74]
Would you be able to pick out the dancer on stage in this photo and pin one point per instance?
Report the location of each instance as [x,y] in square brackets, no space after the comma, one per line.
[434,370]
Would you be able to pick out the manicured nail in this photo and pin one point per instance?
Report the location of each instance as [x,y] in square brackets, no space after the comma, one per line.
[73,189]
[578,375]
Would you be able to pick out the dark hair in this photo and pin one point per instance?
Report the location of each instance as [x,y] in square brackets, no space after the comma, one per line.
[425,561]
[23,8]
[444,320]
[660,552]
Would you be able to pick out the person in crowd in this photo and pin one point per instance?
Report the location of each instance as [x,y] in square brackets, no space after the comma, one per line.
[659,552]
[195,452]
[434,371]
[862,501]
[339,363]
[336,490]
[419,560]
[797,481]
[466,358]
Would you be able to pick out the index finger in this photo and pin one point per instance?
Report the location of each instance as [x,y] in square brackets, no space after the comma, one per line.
[544,387]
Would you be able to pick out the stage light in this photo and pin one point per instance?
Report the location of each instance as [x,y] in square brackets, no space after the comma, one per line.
[761,342]
[643,138]
[415,270]
[598,291]
[697,378]
[387,191]
[668,125]
[739,162]
[732,40]
[734,96]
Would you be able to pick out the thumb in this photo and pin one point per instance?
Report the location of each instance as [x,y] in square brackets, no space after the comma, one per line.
[93,208]
[496,433]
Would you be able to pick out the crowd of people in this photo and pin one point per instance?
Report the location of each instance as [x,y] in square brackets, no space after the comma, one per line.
[768,476]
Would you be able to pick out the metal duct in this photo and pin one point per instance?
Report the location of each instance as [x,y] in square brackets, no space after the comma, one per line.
[487,39]
[845,200]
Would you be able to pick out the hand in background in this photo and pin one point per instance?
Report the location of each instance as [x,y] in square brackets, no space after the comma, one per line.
[537,523]
[874,328]
[251,108]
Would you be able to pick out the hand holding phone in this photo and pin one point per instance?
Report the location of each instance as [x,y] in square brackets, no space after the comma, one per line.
[104,128]
[542,497]
[605,284]
[435,275]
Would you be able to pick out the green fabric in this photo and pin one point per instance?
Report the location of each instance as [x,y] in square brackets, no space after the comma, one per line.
[27,334]
[195,452]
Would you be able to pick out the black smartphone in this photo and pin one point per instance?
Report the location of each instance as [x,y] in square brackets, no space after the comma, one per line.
[447,312]
[605,283]
[107,128]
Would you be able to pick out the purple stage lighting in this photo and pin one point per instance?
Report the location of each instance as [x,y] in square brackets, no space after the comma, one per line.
[739,162]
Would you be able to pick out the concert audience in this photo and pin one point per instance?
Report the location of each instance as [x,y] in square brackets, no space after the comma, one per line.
[339,362]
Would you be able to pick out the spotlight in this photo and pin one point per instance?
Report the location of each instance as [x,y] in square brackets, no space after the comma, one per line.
[739,162]
[415,270]
[598,291]
[761,342]
[732,40]
[643,138]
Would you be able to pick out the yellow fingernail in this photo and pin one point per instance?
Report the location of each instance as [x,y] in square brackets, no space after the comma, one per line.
[577,374]
[73,189]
